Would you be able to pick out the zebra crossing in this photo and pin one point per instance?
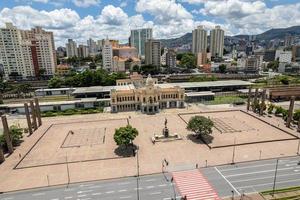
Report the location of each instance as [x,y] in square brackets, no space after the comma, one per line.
[194,186]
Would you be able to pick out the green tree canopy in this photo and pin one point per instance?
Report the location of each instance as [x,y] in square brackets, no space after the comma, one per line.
[150,69]
[125,135]
[55,82]
[222,68]
[200,125]
[273,65]
[188,61]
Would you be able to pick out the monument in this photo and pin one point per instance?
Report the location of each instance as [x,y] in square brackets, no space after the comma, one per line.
[166,135]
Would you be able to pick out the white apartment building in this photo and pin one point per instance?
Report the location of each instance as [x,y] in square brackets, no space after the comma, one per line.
[217,42]
[107,55]
[152,52]
[163,57]
[92,47]
[14,53]
[71,48]
[199,43]
[25,53]
[83,51]
[283,56]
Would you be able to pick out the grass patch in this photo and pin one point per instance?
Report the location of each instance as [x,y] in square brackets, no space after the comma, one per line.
[287,193]
[74,111]
[226,100]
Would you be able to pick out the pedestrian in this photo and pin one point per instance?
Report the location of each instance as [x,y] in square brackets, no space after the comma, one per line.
[20,156]
[196,165]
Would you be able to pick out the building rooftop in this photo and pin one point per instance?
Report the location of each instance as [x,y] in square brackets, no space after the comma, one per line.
[99,89]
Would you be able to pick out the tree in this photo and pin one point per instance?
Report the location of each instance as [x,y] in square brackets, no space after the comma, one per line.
[93,65]
[296,115]
[200,125]
[149,69]
[273,65]
[55,82]
[188,61]
[222,68]
[125,135]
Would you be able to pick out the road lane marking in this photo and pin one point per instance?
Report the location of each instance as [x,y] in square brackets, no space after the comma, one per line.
[126,197]
[68,197]
[109,192]
[151,186]
[162,185]
[82,195]
[98,193]
[95,186]
[38,194]
[253,166]
[84,191]
[155,193]
[253,179]
[124,183]
[259,172]
[278,182]
[149,180]
[227,181]
[122,190]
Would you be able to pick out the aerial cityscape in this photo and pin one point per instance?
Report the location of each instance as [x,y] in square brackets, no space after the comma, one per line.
[149,100]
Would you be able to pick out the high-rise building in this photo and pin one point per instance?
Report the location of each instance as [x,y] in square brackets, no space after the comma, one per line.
[83,51]
[44,59]
[138,38]
[199,43]
[296,53]
[71,48]
[152,52]
[163,57]
[217,42]
[171,58]
[107,55]
[92,47]
[27,53]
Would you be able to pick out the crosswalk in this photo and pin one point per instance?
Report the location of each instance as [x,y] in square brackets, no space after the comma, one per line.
[194,186]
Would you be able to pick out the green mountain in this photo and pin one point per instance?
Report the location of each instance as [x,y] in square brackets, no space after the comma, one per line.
[278,33]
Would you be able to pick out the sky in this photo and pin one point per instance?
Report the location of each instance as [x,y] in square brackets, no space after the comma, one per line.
[98,19]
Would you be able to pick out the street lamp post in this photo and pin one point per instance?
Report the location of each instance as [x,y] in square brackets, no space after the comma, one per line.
[173,188]
[68,172]
[233,152]
[138,174]
[274,184]
[298,145]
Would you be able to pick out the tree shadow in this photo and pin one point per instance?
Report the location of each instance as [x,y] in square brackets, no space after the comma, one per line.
[126,151]
[207,139]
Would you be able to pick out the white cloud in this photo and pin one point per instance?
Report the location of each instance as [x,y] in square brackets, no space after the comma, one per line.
[233,8]
[113,15]
[86,3]
[163,11]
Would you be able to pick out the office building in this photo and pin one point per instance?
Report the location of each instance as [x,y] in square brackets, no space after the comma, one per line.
[71,48]
[203,58]
[152,52]
[138,38]
[107,55]
[199,43]
[217,42]
[283,56]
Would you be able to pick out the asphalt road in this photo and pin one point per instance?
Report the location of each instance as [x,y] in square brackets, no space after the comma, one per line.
[245,178]
[150,187]
[253,177]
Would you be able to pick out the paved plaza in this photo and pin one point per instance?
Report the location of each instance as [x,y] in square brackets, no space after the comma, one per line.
[81,148]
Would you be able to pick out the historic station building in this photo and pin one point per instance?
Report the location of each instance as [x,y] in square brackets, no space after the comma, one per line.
[145,95]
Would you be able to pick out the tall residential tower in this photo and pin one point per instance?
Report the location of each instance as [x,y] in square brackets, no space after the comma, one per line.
[199,44]
[217,42]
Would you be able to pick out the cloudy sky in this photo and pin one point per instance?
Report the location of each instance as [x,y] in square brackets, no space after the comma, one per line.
[82,19]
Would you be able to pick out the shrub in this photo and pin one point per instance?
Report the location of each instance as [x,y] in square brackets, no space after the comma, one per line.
[271,108]
[296,115]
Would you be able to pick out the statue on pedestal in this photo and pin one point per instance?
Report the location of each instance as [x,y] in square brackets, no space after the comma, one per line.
[166,130]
